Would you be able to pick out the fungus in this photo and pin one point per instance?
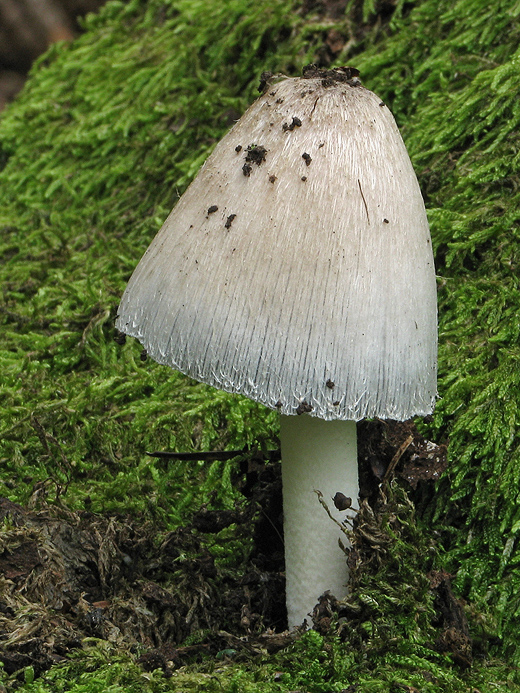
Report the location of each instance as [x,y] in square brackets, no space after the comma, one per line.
[321,303]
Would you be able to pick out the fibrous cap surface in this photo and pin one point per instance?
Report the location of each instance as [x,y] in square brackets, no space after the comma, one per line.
[297,268]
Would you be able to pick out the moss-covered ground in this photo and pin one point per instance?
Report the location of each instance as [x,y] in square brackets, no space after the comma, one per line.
[106,135]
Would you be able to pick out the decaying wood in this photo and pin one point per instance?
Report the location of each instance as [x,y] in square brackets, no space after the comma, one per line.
[27,29]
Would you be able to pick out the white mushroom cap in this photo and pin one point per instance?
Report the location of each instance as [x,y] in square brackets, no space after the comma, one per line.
[297,268]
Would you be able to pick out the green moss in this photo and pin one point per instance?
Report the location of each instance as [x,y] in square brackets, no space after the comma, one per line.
[93,155]
[385,645]
[451,75]
[315,664]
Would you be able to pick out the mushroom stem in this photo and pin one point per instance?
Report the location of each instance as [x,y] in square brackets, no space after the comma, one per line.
[316,455]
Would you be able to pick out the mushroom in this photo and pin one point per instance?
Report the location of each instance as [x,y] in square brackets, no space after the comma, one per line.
[297,270]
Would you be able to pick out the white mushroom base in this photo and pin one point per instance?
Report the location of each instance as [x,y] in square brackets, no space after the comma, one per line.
[321,455]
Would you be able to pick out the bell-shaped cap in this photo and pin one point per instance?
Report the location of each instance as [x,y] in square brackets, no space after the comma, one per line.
[297,268]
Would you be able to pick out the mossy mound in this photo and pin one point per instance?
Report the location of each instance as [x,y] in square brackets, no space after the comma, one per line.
[107,134]
[451,73]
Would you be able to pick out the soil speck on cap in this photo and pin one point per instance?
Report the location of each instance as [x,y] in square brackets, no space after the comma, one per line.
[307,158]
[296,123]
[212,209]
[349,75]
[256,154]
[330,384]
[303,408]
[238,148]
[265,79]
[304,178]
[229,221]
[272,178]
[385,221]
[246,170]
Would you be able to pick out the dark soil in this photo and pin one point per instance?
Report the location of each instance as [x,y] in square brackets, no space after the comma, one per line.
[69,575]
